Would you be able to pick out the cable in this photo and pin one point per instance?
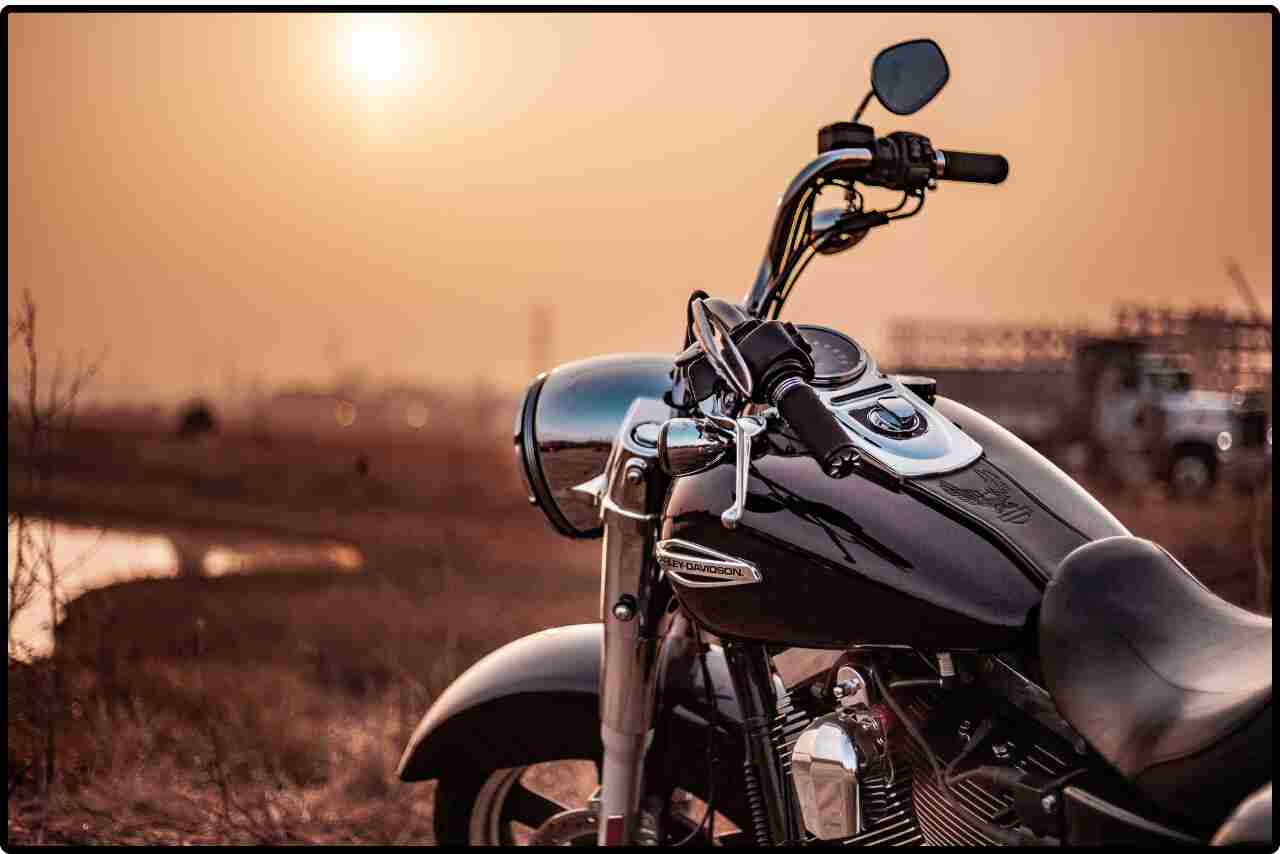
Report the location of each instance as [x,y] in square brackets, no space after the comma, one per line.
[1061,781]
[974,740]
[802,215]
[794,243]
[711,732]
[791,273]
[803,261]
[1003,835]
[919,196]
[901,204]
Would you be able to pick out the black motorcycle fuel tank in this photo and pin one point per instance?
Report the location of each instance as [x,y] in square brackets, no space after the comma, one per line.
[950,561]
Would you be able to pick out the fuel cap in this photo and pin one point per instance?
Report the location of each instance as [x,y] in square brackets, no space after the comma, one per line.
[893,415]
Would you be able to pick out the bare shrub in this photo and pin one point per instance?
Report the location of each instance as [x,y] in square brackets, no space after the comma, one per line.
[39,416]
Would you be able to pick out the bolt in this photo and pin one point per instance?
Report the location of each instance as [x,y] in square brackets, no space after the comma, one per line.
[624,609]
[1050,803]
[635,471]
[1003,751]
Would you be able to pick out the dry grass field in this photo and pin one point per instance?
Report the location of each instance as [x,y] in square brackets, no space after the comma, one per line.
[271,708]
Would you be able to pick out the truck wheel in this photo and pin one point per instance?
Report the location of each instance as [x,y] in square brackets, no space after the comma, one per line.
[1193,473]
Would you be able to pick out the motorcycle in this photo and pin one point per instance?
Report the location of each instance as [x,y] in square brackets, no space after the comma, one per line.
[838,606]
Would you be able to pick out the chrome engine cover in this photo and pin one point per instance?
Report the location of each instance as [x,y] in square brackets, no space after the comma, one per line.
[827,774]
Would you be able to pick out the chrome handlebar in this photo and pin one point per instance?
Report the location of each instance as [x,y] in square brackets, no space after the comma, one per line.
[903,161]
[788,204]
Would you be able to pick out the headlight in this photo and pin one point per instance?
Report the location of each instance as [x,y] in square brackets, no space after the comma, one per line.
[566,426]
[1224,441]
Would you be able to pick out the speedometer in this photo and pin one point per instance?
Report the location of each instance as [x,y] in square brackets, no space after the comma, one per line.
[837,358]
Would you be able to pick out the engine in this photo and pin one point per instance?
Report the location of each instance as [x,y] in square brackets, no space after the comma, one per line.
[881,798]
[860,777]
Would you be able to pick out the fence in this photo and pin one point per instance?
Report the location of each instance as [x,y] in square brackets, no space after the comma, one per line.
[1223,349]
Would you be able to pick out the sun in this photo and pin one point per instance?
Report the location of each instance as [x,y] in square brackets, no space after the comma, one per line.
[376,51]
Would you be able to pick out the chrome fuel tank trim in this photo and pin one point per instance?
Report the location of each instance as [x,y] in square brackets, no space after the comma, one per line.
[698,566]
[934,445]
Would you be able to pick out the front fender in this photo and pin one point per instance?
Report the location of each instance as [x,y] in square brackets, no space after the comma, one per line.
[540,695]
[544,685]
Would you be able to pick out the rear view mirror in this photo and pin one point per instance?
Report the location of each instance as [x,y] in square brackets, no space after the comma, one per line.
[907,76]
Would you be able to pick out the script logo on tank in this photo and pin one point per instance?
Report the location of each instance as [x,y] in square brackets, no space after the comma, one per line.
[698,566]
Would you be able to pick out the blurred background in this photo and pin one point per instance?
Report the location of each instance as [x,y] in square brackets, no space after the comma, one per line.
[277,281]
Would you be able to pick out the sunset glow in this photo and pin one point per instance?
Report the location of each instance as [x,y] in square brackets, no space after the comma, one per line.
[462,166]
[376,51]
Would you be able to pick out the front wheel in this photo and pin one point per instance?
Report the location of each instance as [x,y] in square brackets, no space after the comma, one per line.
[540,803]
[547,802]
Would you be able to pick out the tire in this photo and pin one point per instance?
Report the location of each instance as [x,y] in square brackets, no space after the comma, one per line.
[470,805]
[479,806]
[1193,473]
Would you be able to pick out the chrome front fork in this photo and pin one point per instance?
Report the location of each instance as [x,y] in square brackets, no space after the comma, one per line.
[631,607]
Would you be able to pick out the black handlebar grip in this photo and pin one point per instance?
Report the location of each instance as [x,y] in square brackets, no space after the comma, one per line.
[816,426]
[978,168]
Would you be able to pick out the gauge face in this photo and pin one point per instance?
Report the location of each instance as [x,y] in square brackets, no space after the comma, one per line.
[836,357]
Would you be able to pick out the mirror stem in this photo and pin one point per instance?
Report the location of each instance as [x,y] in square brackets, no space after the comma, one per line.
[863,106]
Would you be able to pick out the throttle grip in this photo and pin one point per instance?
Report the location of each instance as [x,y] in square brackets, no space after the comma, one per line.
[975,168]
[816,426]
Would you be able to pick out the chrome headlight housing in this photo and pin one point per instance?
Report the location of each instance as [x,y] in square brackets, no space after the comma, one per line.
[566,426]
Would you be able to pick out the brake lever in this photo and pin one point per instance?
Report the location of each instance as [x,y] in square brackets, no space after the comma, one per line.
[745,428]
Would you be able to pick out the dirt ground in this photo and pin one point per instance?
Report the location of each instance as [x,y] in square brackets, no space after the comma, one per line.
[272,708]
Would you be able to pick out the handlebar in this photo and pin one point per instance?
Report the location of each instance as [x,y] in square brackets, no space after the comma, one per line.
[908,161]
[901,160]
[975,168]
[816,426]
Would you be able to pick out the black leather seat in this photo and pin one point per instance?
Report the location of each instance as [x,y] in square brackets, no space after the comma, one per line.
[1250,824]
[1168,682]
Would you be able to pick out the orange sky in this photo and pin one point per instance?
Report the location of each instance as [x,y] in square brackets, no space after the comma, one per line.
[216,194]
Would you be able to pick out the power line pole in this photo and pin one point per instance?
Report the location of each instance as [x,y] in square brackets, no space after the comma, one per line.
[540,333]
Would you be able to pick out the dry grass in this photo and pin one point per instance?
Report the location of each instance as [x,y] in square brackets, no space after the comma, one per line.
[272,708]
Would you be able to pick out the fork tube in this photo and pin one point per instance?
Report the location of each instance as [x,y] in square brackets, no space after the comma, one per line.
[630,608]
[629,668]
